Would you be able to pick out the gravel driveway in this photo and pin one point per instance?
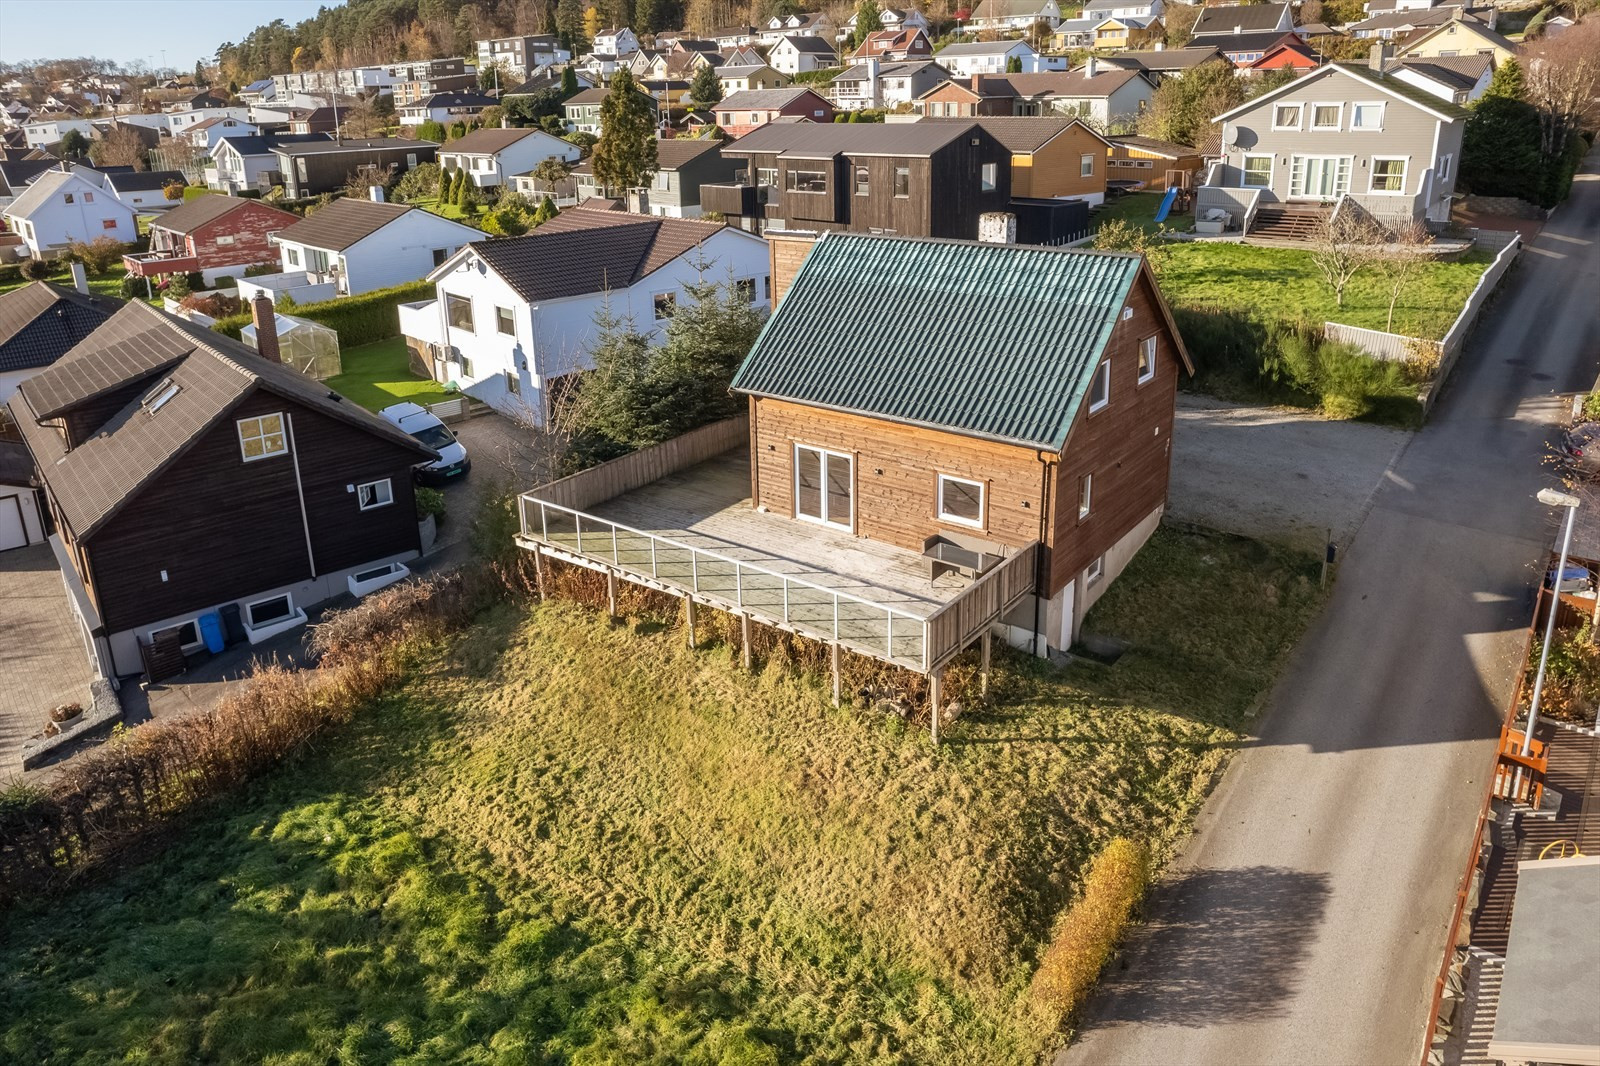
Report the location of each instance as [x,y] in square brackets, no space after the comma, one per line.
[1277,473]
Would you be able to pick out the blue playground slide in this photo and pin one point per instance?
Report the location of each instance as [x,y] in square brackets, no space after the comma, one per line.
[1166,204]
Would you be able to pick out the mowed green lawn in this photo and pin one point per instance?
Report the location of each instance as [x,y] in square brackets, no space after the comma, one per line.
[1285,281]
[107,284]
[568,840]
[379,374]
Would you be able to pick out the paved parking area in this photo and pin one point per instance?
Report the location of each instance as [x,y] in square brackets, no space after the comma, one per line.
[43,662]
[1276,473]
[505,456]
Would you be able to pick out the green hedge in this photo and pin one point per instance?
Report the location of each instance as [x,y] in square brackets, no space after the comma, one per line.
[372,316]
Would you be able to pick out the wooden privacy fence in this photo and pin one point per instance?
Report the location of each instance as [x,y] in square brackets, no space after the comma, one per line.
[965,619]
[638,469]
[1401,348]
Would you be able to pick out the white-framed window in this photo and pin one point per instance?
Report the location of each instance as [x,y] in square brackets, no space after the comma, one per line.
[1085,495]
[746,288]
[1100,387]
[1327,116]
[665,305]
[262,437]
[293,255]
[1086,165]
[990,175]
[1287,116]
[1445,163]
[863,182]
[1368,116]
[961,501]
[265,612]
[902,182]
[1388,175]
[88,197]
[188,634]
[67,197]
[374,494]
[513,383]
[1095,571]
[459,311]
[1257,172]
[1147,359]
[504,322]
[824,486]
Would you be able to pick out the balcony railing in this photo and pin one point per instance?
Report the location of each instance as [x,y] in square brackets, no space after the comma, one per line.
[151,264]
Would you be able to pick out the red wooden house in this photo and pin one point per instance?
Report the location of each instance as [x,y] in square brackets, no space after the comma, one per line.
[1292,53]
[742,112]
[215,235]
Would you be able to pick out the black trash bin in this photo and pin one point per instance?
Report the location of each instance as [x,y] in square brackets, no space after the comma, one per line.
[232,624]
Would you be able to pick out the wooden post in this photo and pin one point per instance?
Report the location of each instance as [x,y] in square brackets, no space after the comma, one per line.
[611,593]
[744,639]
[689,603]
[538,572]
[936,698]
[835,673]
[983,683]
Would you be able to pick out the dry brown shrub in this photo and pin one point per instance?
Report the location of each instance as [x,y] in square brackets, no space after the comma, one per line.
[1091,929]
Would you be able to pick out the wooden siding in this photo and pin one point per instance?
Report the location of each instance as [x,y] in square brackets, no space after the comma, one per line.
[967,103]
[86,419]
[896,473]
[1155,175]
[247,225]
[223,529]
[1126,446]
[788,253]
[1056,169]
[329,171]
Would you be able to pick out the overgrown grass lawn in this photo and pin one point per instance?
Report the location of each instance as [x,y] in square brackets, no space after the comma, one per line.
[1284,281]
[379,374]
[571,841]
[107,284]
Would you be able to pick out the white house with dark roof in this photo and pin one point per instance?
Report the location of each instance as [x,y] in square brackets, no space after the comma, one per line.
[617,41]
[1001,15]
[60,207]
[797,55]
[989,57]
[490,157]
[512,315]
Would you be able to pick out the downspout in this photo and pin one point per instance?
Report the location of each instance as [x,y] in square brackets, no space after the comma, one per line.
[305,522]
[1041,576]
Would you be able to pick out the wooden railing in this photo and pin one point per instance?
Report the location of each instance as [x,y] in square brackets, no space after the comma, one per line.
[964,619]
[638,469]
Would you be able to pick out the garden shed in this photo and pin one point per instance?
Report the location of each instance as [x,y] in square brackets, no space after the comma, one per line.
[303,344]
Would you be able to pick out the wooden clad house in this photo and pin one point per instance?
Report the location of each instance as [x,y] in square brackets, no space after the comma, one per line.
[186,475]
[1051,157]
[946,440]
[218,236]
[1077,460]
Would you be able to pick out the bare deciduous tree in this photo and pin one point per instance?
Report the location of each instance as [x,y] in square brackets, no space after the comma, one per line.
[1408,250]
[122,147]
[1346,243]
[1562,80]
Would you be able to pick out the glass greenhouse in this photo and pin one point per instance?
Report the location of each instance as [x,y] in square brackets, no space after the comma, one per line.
[304,345]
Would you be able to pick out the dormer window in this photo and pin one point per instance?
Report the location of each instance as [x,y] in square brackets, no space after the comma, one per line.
[158,397]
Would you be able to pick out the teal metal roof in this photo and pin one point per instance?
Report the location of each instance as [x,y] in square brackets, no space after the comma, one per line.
[988,340]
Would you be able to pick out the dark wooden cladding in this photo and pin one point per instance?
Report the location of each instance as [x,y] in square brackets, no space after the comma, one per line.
[1127,446]
[87,418]
[224,529]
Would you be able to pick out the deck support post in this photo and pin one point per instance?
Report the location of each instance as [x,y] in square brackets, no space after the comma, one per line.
[744,639]
[538,572]
[835,657]
[611,594]
[688,602]
[935,699]
[983,682]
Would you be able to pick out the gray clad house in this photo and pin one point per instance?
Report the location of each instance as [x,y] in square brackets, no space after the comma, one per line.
[1345,130]
[686,163]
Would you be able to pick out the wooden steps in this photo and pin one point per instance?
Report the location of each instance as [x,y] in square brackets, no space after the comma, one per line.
[1286,224]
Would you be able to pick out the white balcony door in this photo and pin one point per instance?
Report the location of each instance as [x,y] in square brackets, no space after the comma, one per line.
[1319,177]
[823,486]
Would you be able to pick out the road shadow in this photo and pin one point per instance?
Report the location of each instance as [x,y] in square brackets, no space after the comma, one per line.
[1221,946]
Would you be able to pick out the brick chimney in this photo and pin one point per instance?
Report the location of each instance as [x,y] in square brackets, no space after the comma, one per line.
[977,84]
[265,318]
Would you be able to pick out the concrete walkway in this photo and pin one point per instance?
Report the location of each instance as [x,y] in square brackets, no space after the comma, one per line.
[43,662]
[1305,920]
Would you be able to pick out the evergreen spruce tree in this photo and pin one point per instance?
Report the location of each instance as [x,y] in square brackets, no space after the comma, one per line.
[625,156]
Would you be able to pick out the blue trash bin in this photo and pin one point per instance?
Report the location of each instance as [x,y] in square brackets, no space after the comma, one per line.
[211,631]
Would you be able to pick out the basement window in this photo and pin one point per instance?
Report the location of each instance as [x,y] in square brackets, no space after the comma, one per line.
[265,612]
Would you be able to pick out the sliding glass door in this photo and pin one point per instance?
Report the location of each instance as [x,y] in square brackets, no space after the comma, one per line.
[823,486]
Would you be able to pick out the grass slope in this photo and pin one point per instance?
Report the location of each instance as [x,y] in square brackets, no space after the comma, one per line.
[379,374]
[569,841]
[1285,281]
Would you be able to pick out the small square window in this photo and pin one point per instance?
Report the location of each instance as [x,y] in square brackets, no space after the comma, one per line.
[960,501]
[88,197]
[746,288]
[68,198]
[293,255]
[1326,116]
[1366,116]
[1286,117]
[440,255]
[1085,495]
[1096,571]
[262,437]
[665,305]
[459,310]
[1100,388]
[1147,359]
[1257,171]
[503,322]
[375,494]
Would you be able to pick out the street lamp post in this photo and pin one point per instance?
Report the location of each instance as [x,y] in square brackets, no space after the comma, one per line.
[1551,498]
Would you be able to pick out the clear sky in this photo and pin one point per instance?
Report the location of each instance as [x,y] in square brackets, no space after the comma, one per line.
[128,30]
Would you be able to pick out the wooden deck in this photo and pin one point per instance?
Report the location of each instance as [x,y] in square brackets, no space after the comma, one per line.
[694,532]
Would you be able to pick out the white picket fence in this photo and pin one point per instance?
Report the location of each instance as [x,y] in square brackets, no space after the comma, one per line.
[1401,348]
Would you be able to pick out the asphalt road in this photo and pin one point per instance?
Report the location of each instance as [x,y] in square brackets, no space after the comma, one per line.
[1305,920]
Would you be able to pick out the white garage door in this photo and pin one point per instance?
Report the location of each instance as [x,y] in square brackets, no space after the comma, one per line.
[13,534]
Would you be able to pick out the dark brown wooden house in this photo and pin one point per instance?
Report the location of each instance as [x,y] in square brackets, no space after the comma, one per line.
[310,168]
[187,476]
[913,179]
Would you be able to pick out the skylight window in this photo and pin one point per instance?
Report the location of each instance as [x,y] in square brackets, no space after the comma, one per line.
[157,398]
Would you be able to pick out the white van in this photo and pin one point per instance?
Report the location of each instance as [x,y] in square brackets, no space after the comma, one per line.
[426,427]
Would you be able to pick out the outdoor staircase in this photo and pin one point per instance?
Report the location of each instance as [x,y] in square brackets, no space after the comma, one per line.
[1286,224]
